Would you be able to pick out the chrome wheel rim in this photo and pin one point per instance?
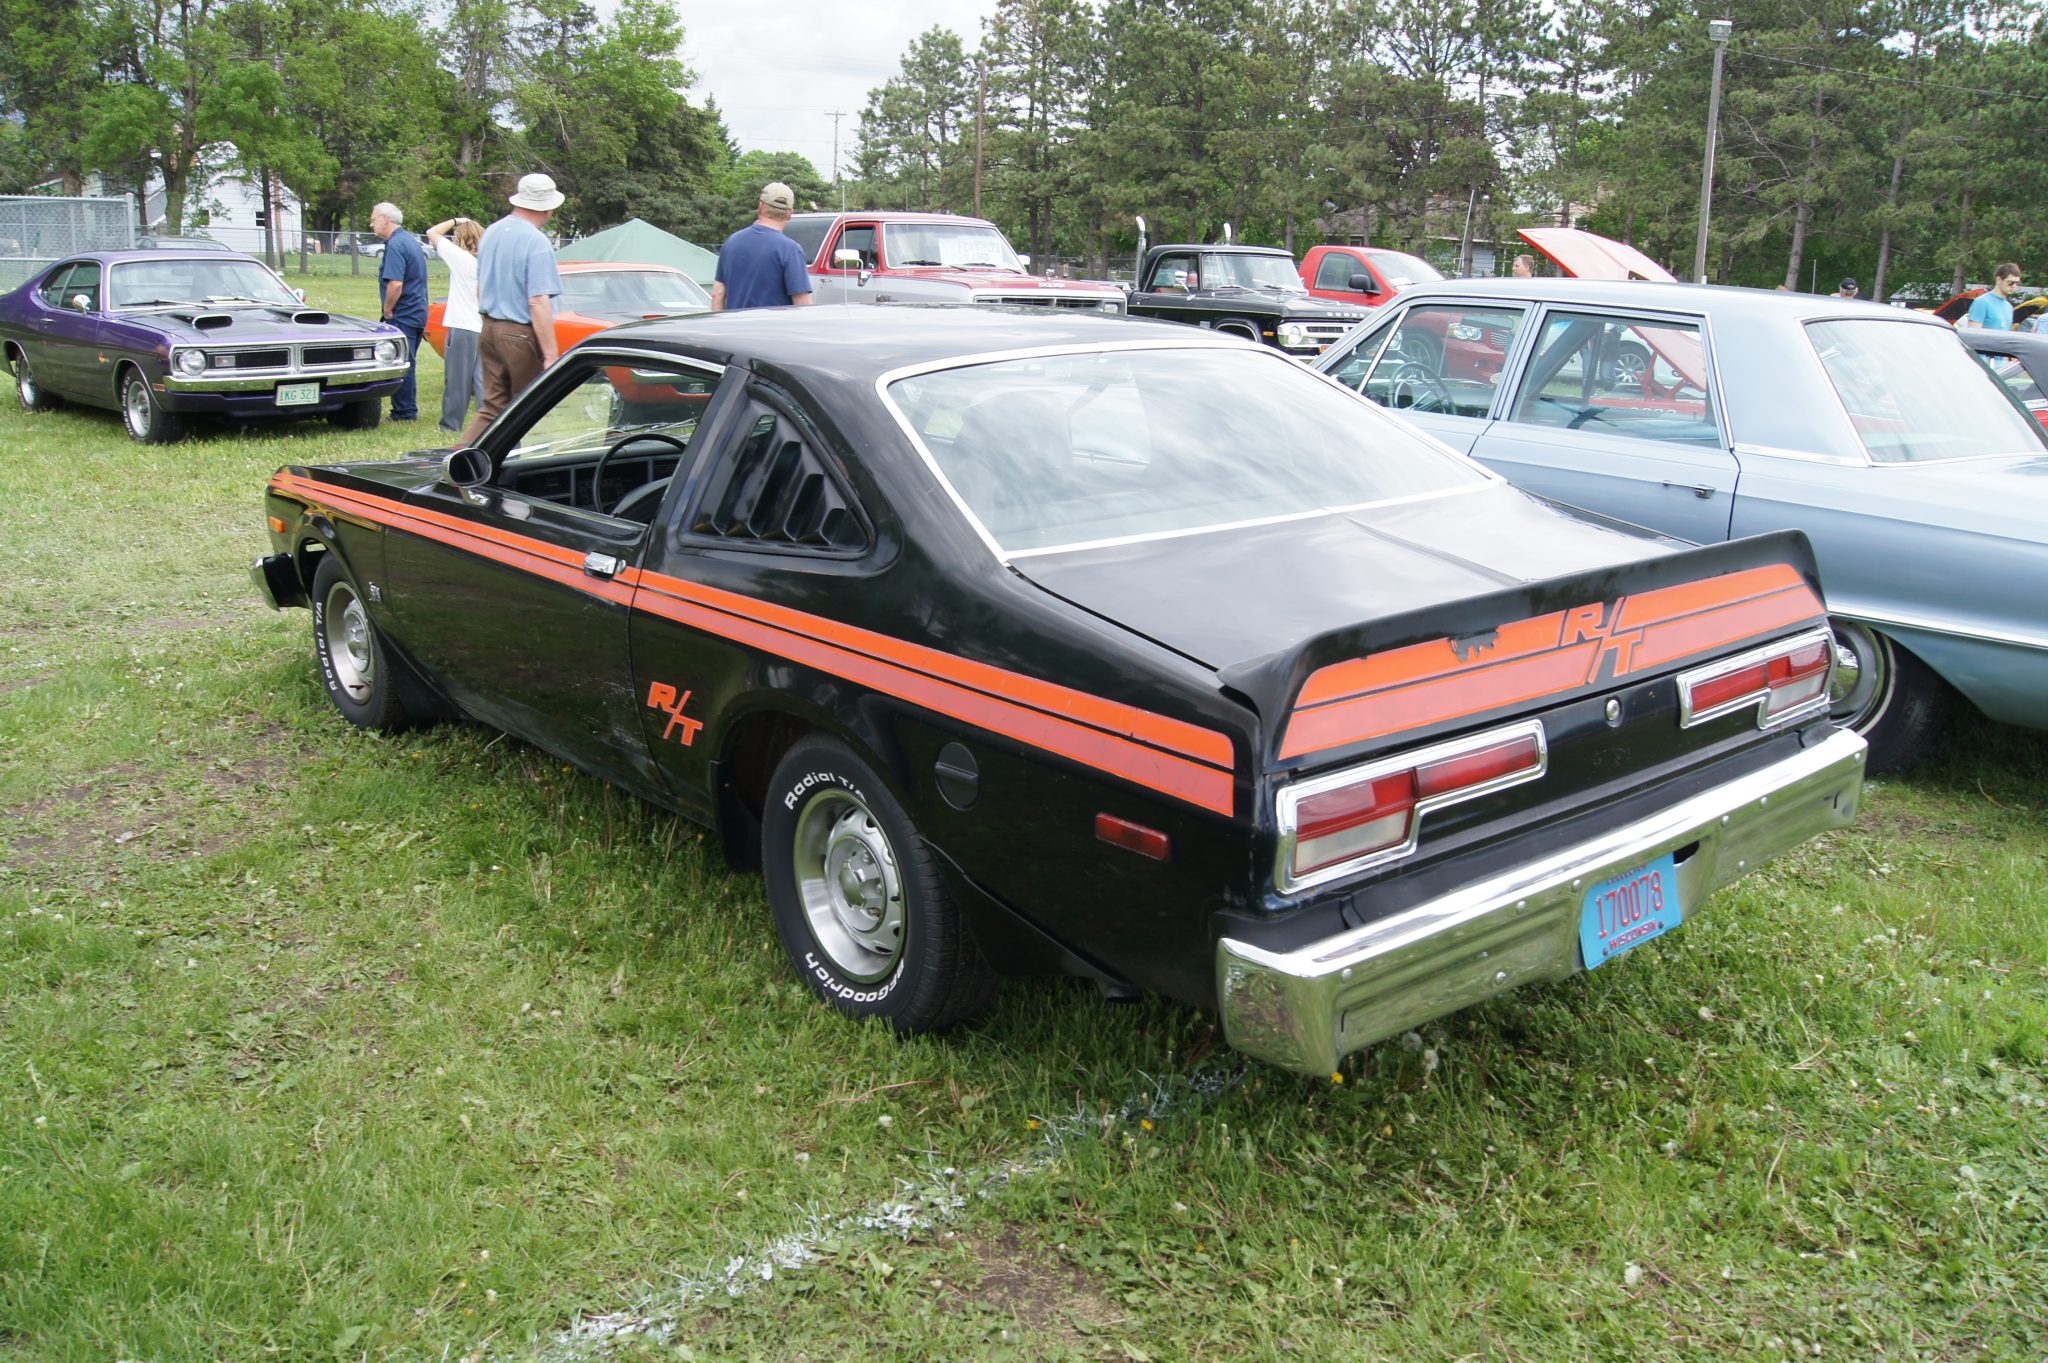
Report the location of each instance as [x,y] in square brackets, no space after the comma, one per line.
[346,639]
[1861,686]
[850,885]
[25,384]
[1629,367]
[135,405]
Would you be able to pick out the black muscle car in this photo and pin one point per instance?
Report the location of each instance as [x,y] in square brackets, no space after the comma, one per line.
[984,638]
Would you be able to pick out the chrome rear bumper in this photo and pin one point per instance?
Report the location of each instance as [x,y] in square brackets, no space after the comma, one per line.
[1305,1009]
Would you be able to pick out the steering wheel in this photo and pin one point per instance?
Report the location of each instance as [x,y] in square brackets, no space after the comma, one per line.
[597,471]
[1419,383]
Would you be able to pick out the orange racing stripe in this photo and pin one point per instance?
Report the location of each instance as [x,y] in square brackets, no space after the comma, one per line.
[1094,731]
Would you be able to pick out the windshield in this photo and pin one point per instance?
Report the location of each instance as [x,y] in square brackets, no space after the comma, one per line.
[1404,271]
[1250,272]
[1058,451]
[1916,393]
[952,244]
[634,292]
[153,283]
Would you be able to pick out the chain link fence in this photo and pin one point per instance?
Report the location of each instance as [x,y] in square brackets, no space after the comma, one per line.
[37,230]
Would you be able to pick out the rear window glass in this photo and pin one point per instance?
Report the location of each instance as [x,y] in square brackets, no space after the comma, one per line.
[808,233]
[1057,451]
[1916,393]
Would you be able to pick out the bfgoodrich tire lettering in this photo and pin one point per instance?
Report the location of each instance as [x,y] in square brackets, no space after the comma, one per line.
[860,909]
[355,667]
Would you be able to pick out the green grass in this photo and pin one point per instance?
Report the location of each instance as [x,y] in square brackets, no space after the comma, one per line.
[315,1045]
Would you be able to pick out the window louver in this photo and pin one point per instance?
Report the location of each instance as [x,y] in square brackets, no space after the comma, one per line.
[777,490]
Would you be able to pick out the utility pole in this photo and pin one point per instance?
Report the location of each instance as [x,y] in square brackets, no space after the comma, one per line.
[1718,31]
[837,183]
[980,99]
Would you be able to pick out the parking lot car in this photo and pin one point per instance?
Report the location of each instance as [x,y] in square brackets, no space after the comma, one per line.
[979,635]
[1250,291]
[161,336]
[1709,413]
[2019,359]
[600,293]
[931,258]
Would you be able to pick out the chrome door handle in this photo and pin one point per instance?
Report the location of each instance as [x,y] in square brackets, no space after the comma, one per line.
[601,565]
[1699,490]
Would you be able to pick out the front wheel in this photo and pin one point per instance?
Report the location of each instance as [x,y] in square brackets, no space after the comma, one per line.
[1887,695]
[147,421]
[858,903]
[354,664]
[34,398]
[358,416]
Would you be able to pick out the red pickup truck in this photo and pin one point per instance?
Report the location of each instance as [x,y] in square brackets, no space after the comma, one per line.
[1363,275]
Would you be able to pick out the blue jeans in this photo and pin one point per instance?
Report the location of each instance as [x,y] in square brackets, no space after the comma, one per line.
[405,403]
[463,379]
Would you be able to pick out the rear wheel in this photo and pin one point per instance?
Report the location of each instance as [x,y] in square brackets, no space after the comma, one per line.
[354,664]
[358,416]
[858,903]
[143,415]
[29,390]
[1887,695]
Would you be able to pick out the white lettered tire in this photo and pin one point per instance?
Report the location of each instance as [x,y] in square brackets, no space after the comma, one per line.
[859,906]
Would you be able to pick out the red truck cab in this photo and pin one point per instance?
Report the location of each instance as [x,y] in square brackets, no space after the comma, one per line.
[1363,275]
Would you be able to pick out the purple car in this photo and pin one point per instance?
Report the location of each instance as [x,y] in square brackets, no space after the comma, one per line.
[162,336]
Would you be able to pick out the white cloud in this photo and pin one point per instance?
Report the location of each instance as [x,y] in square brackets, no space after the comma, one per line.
[778,69]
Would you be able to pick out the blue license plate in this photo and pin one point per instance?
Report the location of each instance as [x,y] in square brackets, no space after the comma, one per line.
[1627,910]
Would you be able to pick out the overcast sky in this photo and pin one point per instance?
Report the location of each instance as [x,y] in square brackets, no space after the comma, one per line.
[779,67]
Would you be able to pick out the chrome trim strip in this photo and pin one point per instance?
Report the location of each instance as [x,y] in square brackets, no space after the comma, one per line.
[1287,800]
[1305,1009]
[1741,447]
[1946,628]
[270,379]
[1689,718]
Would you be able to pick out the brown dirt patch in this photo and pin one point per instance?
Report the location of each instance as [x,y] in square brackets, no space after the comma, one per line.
[28,683]
[1031,1284]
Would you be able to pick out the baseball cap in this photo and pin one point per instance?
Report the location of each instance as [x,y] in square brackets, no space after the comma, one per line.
[776,194]
[1846,284]
[537,192]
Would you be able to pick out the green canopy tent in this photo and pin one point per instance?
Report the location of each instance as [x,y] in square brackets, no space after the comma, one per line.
[642,243]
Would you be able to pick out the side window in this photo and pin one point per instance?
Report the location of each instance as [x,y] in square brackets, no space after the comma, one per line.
[1336,270]
[1173,274]
[2012,372]
[861,239]
[611,441]
[1352,369]
[53,290]
[1621,376]
[84,282]
[808,232]
[775,488]
[1444,357]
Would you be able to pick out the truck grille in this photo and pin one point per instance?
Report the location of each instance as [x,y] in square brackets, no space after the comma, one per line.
[249,359]
[1090,302]
[1322,333]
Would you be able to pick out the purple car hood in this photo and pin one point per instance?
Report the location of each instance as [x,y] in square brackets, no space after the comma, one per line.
[244,324]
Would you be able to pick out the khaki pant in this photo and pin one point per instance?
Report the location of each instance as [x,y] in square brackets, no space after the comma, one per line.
[510,357]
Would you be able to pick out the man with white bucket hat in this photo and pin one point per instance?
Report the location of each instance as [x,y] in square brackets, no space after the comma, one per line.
[516,286]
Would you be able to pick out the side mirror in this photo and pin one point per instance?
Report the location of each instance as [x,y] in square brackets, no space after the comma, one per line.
[846,258]
[299,294]
[79,302]
[1364,283]
[467,467]
[1025,257]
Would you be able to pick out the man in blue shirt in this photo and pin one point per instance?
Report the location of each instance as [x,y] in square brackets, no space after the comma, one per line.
[404,277]
[1992,309]
[760,267]
[516,287]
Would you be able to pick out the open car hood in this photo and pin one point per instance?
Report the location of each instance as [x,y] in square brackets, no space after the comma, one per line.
[1588,255]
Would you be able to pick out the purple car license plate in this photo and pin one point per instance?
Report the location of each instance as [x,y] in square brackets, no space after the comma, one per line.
[1627,910]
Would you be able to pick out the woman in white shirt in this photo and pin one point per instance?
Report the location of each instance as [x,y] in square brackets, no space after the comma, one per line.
[455,241]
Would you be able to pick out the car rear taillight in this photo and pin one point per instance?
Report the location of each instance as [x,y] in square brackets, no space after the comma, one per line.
[1347,821]
[1785,681]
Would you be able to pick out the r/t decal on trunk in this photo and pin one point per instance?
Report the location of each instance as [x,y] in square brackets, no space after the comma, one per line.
[661,696]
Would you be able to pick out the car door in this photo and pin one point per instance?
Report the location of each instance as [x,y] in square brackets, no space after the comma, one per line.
[835,283]
[768,526]
[1439,364]
[68,328]
[517,595]
[1334,276]
[1166,291]
[1616,412]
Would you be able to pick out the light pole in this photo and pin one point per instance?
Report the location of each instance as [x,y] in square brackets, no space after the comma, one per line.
[1718,30]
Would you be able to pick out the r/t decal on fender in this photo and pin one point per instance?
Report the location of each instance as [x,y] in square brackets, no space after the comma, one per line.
[661,696]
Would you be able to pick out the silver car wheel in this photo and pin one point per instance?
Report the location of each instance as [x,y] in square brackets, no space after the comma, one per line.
[1864,678]
[136,407]
[350,650]
[25,385]
[850,884]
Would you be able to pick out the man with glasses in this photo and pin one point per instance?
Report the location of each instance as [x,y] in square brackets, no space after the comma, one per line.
[1992,309]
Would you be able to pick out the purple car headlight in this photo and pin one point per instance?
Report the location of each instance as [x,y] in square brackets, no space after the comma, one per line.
[189,361]
[387,351]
